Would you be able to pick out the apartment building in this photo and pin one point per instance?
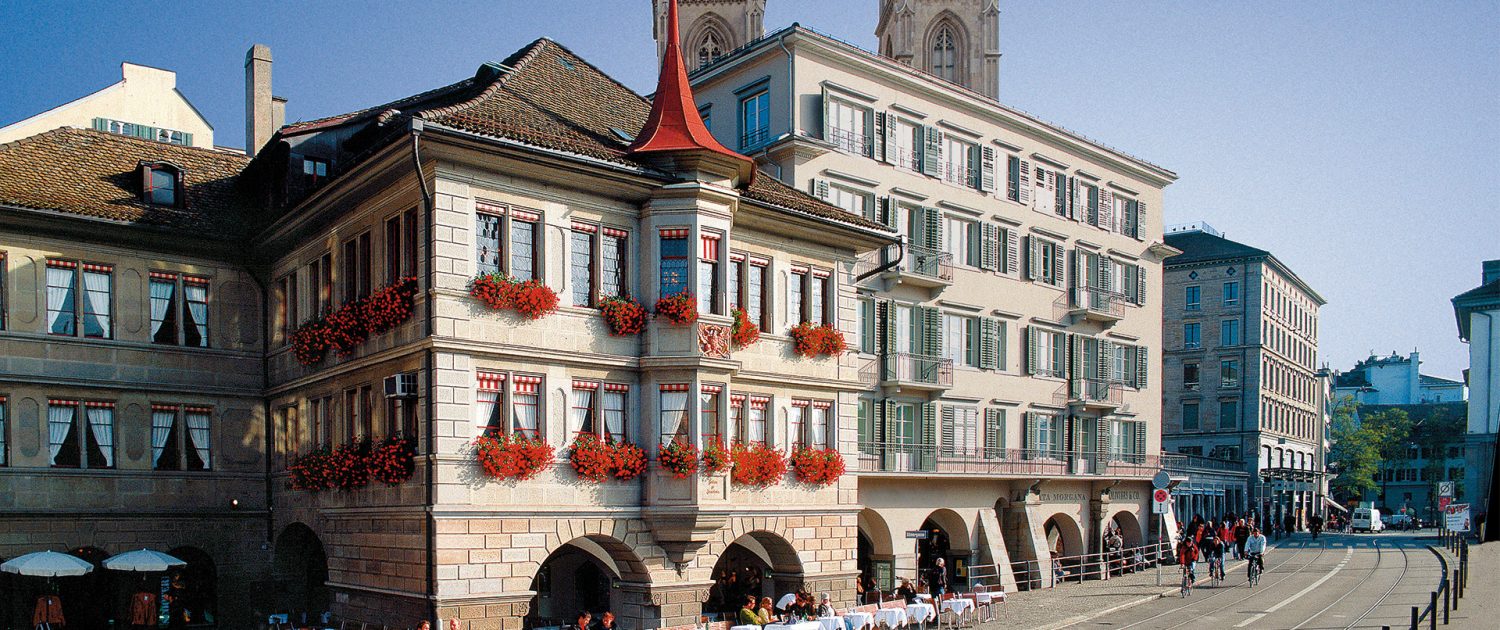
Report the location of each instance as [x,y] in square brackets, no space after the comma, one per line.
[1238,313]
[1395,380]
[1477,312]
[1013,340]
[145,103]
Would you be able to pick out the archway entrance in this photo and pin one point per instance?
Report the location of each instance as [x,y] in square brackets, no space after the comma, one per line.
[1129,527]
[582,575]
[759,564]
[875,556]
[87,599]
[194,588]
[1064,543]
[947,538]
[300,571]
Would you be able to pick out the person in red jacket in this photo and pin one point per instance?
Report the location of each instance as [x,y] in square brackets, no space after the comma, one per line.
[48,613]
[1187,556]
[142,610]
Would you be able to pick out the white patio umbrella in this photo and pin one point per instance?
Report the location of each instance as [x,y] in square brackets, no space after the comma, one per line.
[46,564]
[144,560]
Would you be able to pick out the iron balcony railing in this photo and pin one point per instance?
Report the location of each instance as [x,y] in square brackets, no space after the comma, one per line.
[907,367]
[1098,301]
[904,157]
[1184,462]
[918,261]
[1096,391]
[957,173]
[754,138]
[849,141]
[898,457]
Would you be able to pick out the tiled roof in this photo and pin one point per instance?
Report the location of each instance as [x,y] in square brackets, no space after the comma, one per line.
[1427,379]
[546,96]
[1202,246]
[95,174]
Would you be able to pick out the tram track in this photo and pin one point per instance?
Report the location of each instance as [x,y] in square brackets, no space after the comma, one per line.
[1405,564]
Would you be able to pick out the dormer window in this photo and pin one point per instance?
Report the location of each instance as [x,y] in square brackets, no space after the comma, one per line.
[315,170]
[161,184]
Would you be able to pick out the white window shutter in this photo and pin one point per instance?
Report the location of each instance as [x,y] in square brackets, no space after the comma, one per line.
[1033,257]
[1106,209]
[820,189]
[1012,252]
[1025,192]
[1080,280]
[989,248]
[1057,266]
[889,139]
[1140,285]
[947,428]
[987,170]
[1140,218]
[827,116]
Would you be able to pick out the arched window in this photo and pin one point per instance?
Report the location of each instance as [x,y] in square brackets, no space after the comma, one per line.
[710,47]
[944,53]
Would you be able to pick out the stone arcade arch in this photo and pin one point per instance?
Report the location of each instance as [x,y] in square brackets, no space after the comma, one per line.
[760,563]
[1064,540]
[87,599]
[197,584]
[1129,524]
[300,572]
[947,538]
[876,553]
[584,573]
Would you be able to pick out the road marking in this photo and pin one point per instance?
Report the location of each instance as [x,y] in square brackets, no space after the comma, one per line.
[1348,552]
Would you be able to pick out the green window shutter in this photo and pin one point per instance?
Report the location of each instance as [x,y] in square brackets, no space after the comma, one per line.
[1075,351]
[1142,367]
[1093,205]
[1140,218]
[1079,280]
[994,433]
[1030,436]
[819,189]
[927,436]
[989,247]
[877,141]
[1075,197]
[976,167]
[1057,278]
[888,337]
[1140,286]
[987,345]
[1132,218]
[187,139]
[101,124]
[987,169]
[1107,209]
[1061,196]
[932,152]
[1106,272]
[1002,342]
[934,229]
[891,129]
[932,330]
[947,427]
[1140,438]
[1103,432]
[1104,366]
[887,211]
[1031,349]
[1033,258]
[867,325]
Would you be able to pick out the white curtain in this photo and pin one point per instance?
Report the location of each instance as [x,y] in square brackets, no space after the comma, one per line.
[614,414]
[525,410]
[161,428]
[485,412]
[581,415]
[60,300]
[96,309]
[197,303]
[59,421]
[820,427]
[708,416]
[674,415]
[161,302]
[102,422]
[197,422]
[757,428]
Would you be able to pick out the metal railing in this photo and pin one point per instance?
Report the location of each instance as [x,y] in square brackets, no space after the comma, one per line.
[899,457]
[918,261]
[849,141]
[1098,301]
[961,174]
[1032,574]
[1092,390]
[754,138]
[904,157]
[1183,461]
[907,367]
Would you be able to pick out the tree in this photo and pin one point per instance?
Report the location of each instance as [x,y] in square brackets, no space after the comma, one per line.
[1355,454]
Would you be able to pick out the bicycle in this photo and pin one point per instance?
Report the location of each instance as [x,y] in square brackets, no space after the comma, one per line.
[1254,569]
[1187,580]
[1216,571]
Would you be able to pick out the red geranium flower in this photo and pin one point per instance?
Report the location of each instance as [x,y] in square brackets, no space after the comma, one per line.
[745,332]
[811,340]
[679,458]
[678,308]
[504,456]
[623,315]
[818,466]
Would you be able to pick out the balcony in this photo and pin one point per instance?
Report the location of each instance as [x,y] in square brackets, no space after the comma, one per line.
[959,174]
[918,267]
[847,141]
[1096,305]
[897,459]
[917,371]
[1090,394]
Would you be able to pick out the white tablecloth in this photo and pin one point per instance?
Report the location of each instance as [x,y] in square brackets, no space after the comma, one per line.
[959,605]
[893,617]
[831,623]
[926,597]
[921,612]
[860,619]
[806,625]
[985,598]
[748,627]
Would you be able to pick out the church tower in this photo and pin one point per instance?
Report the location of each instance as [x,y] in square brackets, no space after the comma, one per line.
[710,28]
[956,40]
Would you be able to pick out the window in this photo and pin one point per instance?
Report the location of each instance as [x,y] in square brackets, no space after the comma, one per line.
[808,423]
[1229,373]
[807,296]
[520,416]
[959,167]
[581,266]
[314,170]
[356,267]
[1190,416]
[848,127]
[905,153]
[1229,332]
[598,409]
[864,420]
[498,227]
[409,252]
[1192,335]
[711,428]
[320,277]
[1229,415]
[1045,261]
[819,304]
[674,413]
[820,427]
[161,184]
[944,54]
[960,431]
[321,412]
[674,261]
[3,460]
[855,202]
[81,434]
[749,416]
[961,340]
[867,322]
[1194,300]
[961,240]
[179,321]
[287,313]
[3,276]
[708,275]
[1045,436]
[747,287]
[146,132]
[755,120]
[1190,376]
[710,47]
[70,283]
[288,434]
[795,290]
[1231,293]
[180,438]
[1047,352]
[393,271]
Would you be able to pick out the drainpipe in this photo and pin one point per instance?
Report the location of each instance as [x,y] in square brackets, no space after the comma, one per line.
[265,402]
[1491,531]
[431,363]
[791,82]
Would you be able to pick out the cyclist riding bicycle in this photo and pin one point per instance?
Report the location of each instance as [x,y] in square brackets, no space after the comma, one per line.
[1187,556]
[1213,552]
[1255,550]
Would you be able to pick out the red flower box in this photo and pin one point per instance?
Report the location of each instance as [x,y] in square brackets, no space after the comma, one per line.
[757,465]
[630,461]
[623,315]
[393,460]
[818,466]
[679,458]
[311,471]
[350,465]
[390,305]
[745,332]
[811,341]
[346,327]
[715,458]
[679,308]
[504,456]
[530,298]
[591,458]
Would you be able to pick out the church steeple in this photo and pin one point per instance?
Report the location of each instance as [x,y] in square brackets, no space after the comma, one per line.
[955,40]
[711,28]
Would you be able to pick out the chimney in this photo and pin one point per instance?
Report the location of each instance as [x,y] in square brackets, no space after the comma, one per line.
[260,110]
[1491,271]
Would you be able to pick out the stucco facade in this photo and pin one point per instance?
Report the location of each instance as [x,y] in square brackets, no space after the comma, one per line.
[145,103]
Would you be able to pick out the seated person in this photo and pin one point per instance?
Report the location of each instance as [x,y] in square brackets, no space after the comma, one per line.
[766,614]
[747,615]
[905,592]
[585,621]
[825,608]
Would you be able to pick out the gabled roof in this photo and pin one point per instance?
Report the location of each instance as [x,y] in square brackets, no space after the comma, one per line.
[1200,246]
[1480,298]
[97,175]
[1437,381]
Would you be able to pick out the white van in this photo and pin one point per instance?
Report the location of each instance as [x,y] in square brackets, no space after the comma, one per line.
[1366,520]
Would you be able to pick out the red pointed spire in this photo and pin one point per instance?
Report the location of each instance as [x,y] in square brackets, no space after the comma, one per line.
[674,124]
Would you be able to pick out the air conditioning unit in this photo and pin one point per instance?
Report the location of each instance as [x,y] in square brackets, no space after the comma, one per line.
[403,385]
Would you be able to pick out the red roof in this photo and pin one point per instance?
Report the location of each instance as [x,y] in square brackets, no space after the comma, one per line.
[674,123]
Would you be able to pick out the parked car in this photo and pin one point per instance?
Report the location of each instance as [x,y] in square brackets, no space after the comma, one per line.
[1366,520]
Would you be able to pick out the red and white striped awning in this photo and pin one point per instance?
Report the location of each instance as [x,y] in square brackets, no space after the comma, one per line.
[738,399]
[195,280]
[489,208]
[674,387]
[615,232]
[759,402]
[585,385]
[713,389]
[736,256]
[491,381]
[98,268]
[198,409]
[525,215]
[800,403]
[161,407]
[616,387]
[585,227]
[822,404]
[674,232]
[64,264]
[61,402]
[162,275]
[710,251]
[528,384]
[99,404]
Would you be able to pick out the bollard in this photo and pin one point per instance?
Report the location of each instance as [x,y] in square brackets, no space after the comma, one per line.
[1432,621]
[1414,618]
[1456,594]
[1447,600]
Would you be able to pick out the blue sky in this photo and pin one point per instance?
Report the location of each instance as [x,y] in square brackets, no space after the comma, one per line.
[1356,140]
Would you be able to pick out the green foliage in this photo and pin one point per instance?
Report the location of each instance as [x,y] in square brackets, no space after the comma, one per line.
[1355,454]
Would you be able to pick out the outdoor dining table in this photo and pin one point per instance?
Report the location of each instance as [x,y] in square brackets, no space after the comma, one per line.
[960,608]
[921,613]
[860,620]
[891,617]
[746,627]
[804,625]
[831,623]
[987,601]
